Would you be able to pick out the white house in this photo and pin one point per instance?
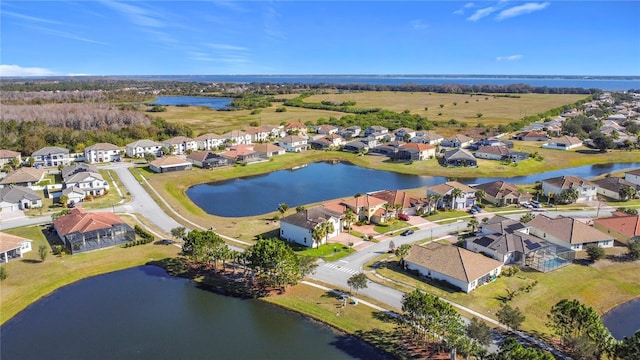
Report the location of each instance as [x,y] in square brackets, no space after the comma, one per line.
[13,247]
[568,232]
[459,267]
[299,227]
[563,143]
[209,141]
[92,183]
[14,198]
[633,176]
[611,186]
[237,137]
[139,148]
[467,197]
[51,156]
[587,190]
[458,141]
[293,143]
[6,156]
[180,144]
[427,137]
[101,152]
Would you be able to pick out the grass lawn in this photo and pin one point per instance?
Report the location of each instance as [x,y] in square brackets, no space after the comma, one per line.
[603,286]
[392,225]
[29,279]
[367,323]
[327,252]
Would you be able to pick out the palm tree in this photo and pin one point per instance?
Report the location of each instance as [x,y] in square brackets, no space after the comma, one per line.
[455,194]
[318,233]
[436,199]
[627,192]
[480,194]
[329,229]
[473,224]
[349,218]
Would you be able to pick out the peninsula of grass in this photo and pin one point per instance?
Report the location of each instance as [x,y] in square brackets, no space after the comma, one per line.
[29,279]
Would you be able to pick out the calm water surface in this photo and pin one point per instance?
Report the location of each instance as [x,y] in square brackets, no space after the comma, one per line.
[211,102]
[323,181]
[142,313]
[623,320]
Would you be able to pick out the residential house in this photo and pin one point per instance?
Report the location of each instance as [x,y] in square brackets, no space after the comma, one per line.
[493,153]
[74,195]
[368,208]
[404,133]
[350,132]
[387,149]
[427,137]
[563,143]
[376,131]
[502,193]
[458,141]
[355,146]
[568,232]
[370,141]
[51,156]
[242,154]
[179,145]
[633,176]
[86,178]
[209,141]
[258,134]
[13,247]
[71,170]
[237,137]
[402,201]
[293,143]
[327,142]
[24,176]
[299,227]
[296,128]
[620,225]
[268,150]
[459,267]
[82,231]
[326,129]
[587,190]
[611,186]
[101,152]
[169,164]
[140,148]
[7,156]
[507,248]
[14,198]
[531,136]
[465,199]
[459,157]
[415,151]
[207,159]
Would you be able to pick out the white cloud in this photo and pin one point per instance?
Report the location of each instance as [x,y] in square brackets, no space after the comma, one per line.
[137,14]
[17,70]
[521,10]
[509,58]
[227,47]
[64,34]
[466,6]
[418,25]
[30,18]
[480,13]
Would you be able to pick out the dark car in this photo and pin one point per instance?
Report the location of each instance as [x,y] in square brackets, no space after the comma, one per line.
[407,232]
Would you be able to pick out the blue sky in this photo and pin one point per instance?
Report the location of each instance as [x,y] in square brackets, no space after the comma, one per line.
[319,37]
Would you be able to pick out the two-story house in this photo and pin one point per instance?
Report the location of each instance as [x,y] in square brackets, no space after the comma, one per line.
[85,178]
[633,176]
[209,141]
[237,137]
[568,232]
[453,194]
[179,145]
[51,156]
[293,143]
[587,190]
[140,148]
[101,152]
[299,227]
[8,156]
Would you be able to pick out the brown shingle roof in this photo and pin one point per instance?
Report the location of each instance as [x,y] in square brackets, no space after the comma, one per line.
[169,161]
[10,242]
[452,261]
[80,221]
[102,146]
[23,175]
[310,218]
[568,182]
[568,229]
[8,154]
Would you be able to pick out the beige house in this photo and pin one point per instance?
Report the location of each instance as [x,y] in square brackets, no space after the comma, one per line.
[563,143]
[502,193]
[461,268]
[415,151]
[168,164]
[633,176]
[621,226]
[568,232]
[466,199]
[24,176]
[367,207]
[6,156]
[587,190]
[13,247]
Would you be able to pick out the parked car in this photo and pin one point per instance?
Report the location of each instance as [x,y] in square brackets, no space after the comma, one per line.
[404,217]
[407,232]
[535,204]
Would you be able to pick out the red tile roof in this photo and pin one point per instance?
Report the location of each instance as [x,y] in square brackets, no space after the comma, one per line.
[80,221]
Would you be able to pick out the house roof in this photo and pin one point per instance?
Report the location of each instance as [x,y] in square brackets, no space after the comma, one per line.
[102,146]
[335,205]
[310,218]
[209,136]
[23,175]
[295,125]
[73,190]
[510,242]
[267,148]
[532,133]
[430,134]
[238,150]
[8,154]
[622,223]
[460,138]
[292,139]
[83,176]
[14,194]
[397,197]
[499,189]
[502,225]
[458,154]
[364,201]
[199,155]
[143,143]
[452,261]
[169,161]
[568,182]
[326,127]
[176,140]
[417,147]
[49,150]
[493,150]
[571,140]
[76,168]
[82,222]
[10,242]
[568,229]
[634,172]
[445,188]
[614,183]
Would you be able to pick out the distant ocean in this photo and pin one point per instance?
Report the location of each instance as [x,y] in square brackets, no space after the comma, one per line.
[603,83]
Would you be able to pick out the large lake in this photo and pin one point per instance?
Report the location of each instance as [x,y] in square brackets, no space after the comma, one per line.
[143,313]
[623,320]
[323,181]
